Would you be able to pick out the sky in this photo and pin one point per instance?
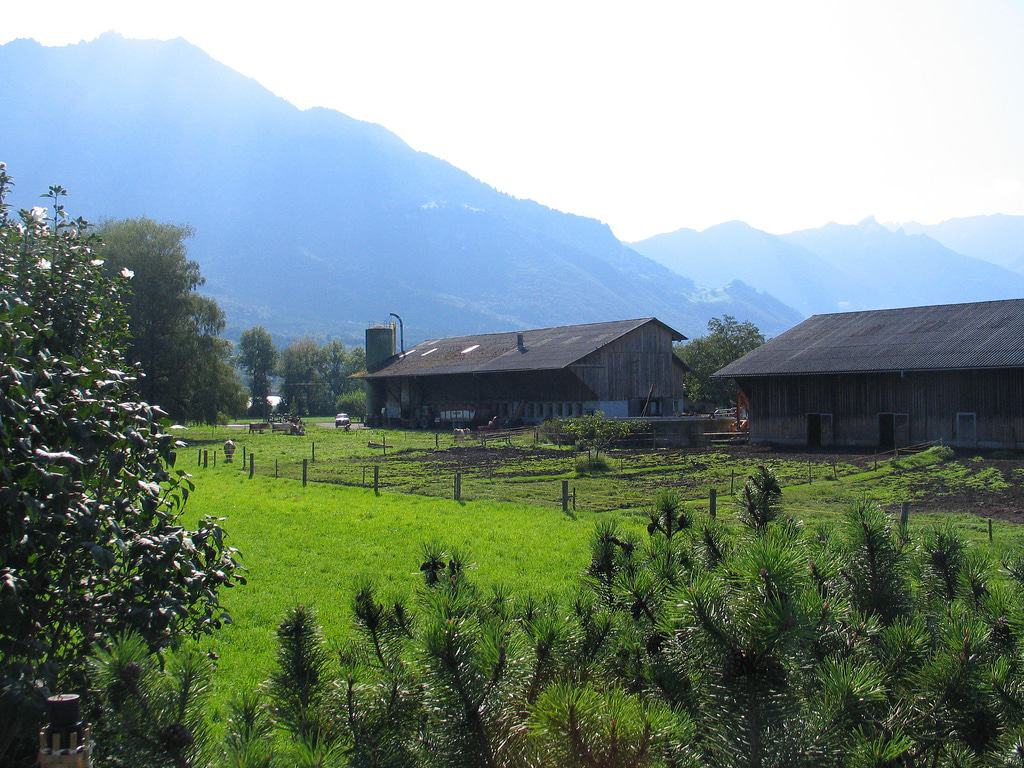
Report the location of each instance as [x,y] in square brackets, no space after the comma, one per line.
[649,116]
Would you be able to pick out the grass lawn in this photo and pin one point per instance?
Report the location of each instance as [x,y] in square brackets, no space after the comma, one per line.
[313,545]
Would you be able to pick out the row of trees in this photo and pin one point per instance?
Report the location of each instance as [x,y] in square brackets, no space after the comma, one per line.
[174,331]
[314,379]
[188,369]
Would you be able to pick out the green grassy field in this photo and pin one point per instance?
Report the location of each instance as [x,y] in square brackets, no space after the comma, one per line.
[314,544]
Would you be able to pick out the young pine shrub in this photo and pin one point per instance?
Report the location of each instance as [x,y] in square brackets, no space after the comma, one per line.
[150,716]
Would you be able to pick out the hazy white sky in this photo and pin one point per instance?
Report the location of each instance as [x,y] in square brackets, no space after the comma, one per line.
[647,115]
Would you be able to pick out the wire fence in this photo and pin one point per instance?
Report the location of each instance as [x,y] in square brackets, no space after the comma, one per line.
[464,471]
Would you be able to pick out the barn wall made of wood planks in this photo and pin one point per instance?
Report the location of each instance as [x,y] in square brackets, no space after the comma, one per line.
[931,401]
[627,368]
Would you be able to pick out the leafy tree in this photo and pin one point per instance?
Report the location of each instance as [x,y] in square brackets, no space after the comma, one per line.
[91,534]
[173,329]
[595,432]
[727,339]
[336,365]
[302,381]
[258,357]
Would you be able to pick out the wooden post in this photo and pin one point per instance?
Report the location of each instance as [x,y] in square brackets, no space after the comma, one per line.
[199,459]
[275,468]
[876,461]
[312,447]
[243,457]
[904,514]
[376,479]
[534,437]
[384,442]
[732,481]
[304,473]
[713,502]
[215,457]
[458,486]
[990,530]
[206,459]
[574,498]
[835,475]
[565,495]
[437,441]
[252,464]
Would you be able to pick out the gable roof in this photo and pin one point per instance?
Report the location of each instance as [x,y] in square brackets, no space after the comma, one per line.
[985,334]
[543,349]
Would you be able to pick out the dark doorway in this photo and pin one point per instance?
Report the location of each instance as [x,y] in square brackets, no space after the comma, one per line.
[814,430]
[966,430]
[886,430]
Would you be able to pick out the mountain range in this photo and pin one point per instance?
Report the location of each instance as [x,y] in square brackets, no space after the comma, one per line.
[862,266]
[311,222]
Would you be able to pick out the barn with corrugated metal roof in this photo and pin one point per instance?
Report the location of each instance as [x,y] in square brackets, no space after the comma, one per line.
[622,368]
[890,378]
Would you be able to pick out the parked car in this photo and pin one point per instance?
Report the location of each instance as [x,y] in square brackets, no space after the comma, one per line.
[342,420]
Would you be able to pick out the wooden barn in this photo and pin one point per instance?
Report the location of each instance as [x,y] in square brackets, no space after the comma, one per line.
[890,378]
[623,368]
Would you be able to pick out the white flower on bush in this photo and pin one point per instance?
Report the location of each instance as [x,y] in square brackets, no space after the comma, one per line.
[44,264]
[38,214]
[97,262]
[126,273]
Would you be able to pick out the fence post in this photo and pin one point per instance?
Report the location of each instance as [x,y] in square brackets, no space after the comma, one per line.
[243,458]
[252,464]
[565,495]
[713,502]
[376,479]
[215,457]
[206,459]
[458,486]
[275,468]
[732,481]
[313,448]
[835,475]
[437,441]
[876,462]
[304,472]
[199,459]
[574,498]
[904,514]
[990,530]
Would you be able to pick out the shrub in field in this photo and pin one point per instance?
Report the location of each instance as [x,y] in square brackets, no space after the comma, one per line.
[757,644]
[587,465]
[90,537]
